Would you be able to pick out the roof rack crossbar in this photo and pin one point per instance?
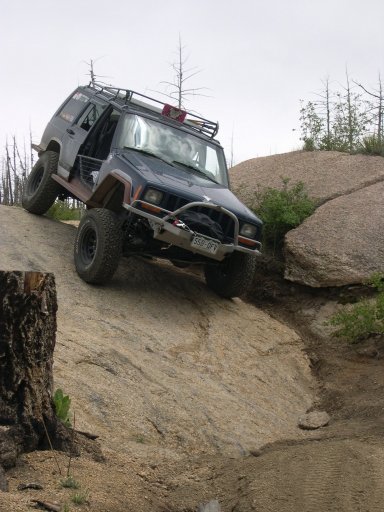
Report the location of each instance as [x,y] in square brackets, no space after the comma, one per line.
[124,97]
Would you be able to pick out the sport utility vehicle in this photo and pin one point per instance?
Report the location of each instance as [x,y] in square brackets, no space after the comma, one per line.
[154,181]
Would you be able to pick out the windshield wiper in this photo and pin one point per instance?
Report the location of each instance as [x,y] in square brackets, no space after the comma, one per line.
[196,169]
[149,153]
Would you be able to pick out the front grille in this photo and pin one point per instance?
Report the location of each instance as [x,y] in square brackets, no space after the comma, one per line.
[227,224]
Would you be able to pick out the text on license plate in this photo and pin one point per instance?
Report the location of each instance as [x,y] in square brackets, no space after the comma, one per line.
[205,244]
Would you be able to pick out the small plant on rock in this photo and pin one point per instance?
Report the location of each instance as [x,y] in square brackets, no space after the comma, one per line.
[62,404]
[363,319]
[282,210]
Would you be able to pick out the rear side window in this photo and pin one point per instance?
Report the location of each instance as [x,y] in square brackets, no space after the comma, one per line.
[73,107]
[90,116]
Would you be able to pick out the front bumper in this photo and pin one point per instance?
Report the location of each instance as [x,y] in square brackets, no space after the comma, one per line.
[167,232]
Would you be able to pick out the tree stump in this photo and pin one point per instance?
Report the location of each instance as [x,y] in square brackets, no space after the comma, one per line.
[28,306]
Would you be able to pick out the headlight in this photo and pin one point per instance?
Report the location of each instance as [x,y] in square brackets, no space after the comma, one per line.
[153,196]
[248,230]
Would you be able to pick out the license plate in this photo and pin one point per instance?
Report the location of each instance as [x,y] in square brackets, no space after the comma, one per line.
[205,244]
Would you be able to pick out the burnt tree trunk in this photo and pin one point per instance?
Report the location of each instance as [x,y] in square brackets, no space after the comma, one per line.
[28,306]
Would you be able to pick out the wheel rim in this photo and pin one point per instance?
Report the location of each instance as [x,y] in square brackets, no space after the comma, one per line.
[88,246]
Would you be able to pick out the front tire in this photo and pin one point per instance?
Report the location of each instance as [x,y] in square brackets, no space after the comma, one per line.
[98,246]
[41,190]
[231,277]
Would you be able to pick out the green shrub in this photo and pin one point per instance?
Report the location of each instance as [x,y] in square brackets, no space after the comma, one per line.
[372,145]
[62,211]
[309,144]
[62,404]
[282,210]
[364,318]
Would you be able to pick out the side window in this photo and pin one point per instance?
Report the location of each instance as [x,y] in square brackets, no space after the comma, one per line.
[73,107]
[90,116]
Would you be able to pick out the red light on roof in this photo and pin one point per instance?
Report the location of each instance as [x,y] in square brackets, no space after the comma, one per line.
[174,113]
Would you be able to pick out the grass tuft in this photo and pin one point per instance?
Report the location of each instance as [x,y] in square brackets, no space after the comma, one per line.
[80,498]
[60,210]
[70,483]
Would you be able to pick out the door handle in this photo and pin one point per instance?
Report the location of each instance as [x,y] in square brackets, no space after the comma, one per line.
[70,131]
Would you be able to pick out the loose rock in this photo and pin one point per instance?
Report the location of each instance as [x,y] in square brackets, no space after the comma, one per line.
[52,506]
[314,420]
[32,485]
[211,506]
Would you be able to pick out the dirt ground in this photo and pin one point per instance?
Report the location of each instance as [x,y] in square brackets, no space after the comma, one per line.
[197,398]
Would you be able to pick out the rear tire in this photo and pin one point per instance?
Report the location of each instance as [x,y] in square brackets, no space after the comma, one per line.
[98,246]
[41,190]
[233,276]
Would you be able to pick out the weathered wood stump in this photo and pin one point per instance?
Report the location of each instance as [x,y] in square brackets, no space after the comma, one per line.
[28,306]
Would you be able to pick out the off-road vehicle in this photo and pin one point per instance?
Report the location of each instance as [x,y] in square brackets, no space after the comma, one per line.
[154,181]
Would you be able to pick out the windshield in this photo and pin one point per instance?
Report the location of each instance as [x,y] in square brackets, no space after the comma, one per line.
[174,146]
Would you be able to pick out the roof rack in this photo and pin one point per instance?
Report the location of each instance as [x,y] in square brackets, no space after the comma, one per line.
[126,97]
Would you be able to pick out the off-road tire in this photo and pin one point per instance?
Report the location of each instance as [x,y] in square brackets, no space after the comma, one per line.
[41,191]
[231,277]
[98,246]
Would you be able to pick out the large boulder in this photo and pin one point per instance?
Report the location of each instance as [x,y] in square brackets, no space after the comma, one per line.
[341,243]
[326,174]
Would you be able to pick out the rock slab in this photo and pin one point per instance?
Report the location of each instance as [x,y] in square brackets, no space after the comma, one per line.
[326,174]
[342,243]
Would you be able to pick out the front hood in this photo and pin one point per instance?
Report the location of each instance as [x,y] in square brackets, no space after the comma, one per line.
[185,183]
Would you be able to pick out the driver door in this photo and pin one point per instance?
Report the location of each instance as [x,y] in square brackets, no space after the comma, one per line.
[75,136]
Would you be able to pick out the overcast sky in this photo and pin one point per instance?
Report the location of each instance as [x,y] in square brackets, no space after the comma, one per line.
[256,58]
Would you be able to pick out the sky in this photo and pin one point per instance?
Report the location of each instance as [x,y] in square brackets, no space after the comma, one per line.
[257,59]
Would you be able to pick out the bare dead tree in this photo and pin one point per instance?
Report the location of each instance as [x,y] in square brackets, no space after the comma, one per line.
[317,117]
[177,89]
[15,168]
[31,156]
[19,171]
[349,123]
[350,113]
[345,120]
[325,108]
[8,178]
[376,107]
